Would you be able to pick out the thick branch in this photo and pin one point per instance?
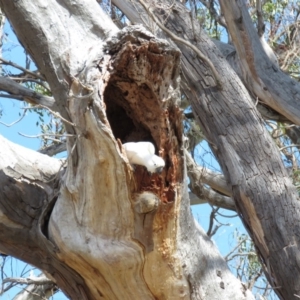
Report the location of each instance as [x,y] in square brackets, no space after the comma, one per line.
[10,86]
[200,176]
[202,194]
[58,54]
[263,193]
[178,39]
[29,184]
[262,77]
[54,149]
[215,180]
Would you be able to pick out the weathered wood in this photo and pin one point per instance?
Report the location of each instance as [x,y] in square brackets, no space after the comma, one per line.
[36,287]
[267,200]
[264,194]
[122,88]
[261,76]
[29,184]
[10,86]
[199,177]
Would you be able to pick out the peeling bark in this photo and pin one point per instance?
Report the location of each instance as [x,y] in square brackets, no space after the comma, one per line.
[29,184]
[264,195]
[107,230]
[115,232]
[118,232]
[37,288]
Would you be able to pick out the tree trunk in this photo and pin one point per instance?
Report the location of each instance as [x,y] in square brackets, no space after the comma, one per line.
[103,229]
[264,195]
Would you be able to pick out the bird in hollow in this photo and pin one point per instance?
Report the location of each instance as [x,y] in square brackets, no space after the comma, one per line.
[143,153]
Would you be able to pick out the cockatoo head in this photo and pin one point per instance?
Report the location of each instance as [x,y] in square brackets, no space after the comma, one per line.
[154,164]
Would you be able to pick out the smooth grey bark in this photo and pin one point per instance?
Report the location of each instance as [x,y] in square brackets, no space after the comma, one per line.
[108,245]
[264,195]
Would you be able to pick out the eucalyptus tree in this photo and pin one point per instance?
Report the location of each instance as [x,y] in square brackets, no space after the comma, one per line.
[102,229]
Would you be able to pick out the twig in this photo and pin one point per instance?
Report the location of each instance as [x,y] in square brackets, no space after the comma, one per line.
[289,146]
[222,215]
[6,62]
[260,20]
[21,280]
[34,294]
[252,282]
[236,247]
[46,136]
[211,221]
[15,122]
[243,254]
[57,115]
[188,44]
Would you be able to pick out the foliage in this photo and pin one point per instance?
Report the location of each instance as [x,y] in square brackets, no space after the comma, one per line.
[245,263]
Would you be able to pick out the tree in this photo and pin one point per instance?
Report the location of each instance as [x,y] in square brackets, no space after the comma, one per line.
[101,229]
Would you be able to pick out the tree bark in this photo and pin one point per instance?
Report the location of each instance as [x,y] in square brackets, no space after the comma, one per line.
[260,74]
[264,195]
[37,288]
[29,184]
[114,232]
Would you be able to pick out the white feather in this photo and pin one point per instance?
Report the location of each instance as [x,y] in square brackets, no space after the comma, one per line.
[143,153]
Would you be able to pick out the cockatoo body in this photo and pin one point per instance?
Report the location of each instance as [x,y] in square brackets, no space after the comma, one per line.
[143,153]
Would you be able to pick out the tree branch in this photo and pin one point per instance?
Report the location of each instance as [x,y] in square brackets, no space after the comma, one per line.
[54,149]
[260,75]
[214,180]
[200,176]
[186,43]
[10,86]
[37,288]
[33,74]
[22,280]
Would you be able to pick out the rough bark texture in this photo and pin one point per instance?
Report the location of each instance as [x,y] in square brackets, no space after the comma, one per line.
[28,191]
[134,73]
[261,76]
[114,232]
[264,195]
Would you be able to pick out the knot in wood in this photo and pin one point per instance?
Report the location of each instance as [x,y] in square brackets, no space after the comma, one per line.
[146,202]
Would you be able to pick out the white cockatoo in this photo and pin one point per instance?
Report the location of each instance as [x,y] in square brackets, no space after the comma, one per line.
[143,153]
